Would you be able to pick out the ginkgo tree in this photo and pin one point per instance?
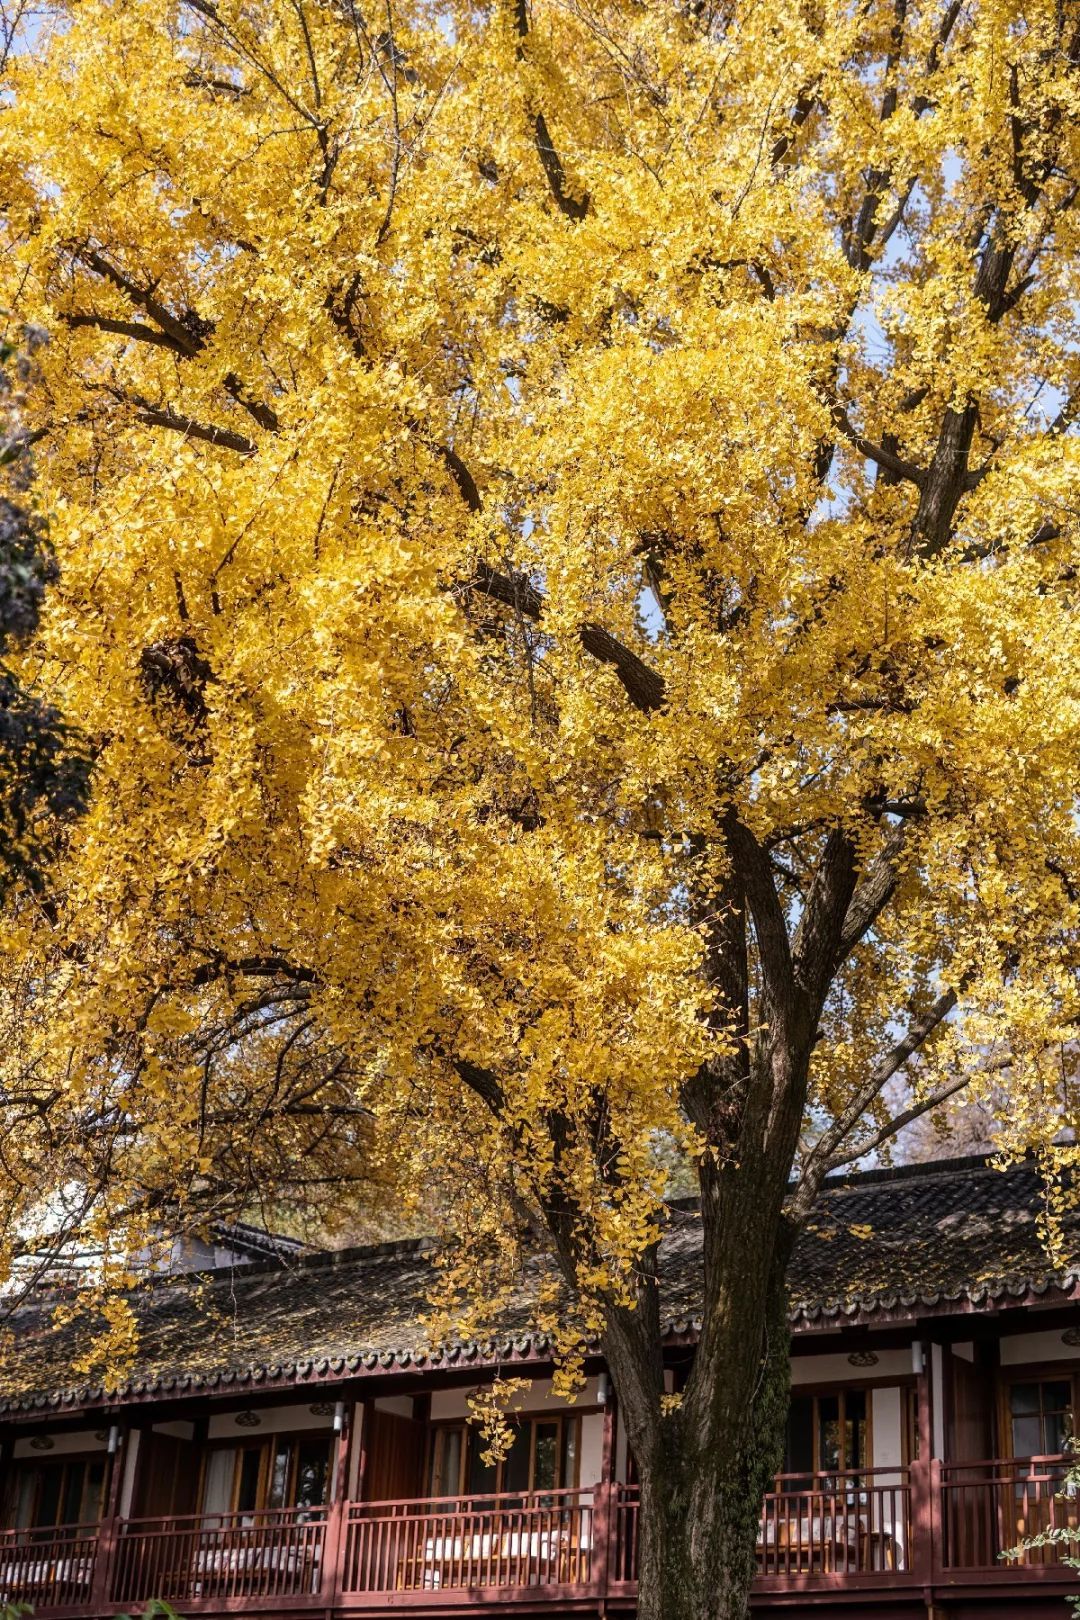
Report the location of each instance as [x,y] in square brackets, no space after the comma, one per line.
[568,518]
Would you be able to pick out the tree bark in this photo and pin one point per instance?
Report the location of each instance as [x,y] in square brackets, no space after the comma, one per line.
[703,1486]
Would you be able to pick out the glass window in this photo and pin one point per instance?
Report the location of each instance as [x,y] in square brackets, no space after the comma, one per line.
[482,1478]
[312,1473]
[446,1462]
[279,1475]
[62,1492]
[50,1495]
[1040,1416]
[827,1435]
[854,1429]
[247,1484]
[830,1457]
[799,1454]
[542,1457]
[515,1467]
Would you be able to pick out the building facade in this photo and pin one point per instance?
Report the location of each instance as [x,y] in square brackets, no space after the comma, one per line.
[285,1444]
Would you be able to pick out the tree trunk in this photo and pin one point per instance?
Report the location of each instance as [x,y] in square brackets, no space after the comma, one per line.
[702,1493]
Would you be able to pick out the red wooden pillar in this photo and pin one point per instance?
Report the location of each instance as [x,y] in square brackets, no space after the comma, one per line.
[7,1506]
[337,1528]
[605,1508]
[108,1530]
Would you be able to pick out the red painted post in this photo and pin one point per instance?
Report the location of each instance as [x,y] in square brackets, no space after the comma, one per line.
[101,1586]
[604,1514]
[920,1551]
[937,1509]
[333,1566]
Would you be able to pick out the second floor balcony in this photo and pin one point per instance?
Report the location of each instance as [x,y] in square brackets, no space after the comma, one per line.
[941,1525]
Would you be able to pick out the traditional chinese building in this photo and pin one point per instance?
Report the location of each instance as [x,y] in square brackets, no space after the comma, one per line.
[286,1445]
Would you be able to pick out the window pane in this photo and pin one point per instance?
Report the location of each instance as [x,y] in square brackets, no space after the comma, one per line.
[799,1457]
[279,1474]
[1056,1395]
[515,1475]
[568,1468]
[73,1490]
[855,1429]
[247,1495]
[93,1488]
[1056,1431]
[1026,1436]
[312,1473]
[446,1464]
[1023,1398]
[482,1476]
[829,1450]
[220,1472]
[24,1507]
[48,1503]
[546,1462]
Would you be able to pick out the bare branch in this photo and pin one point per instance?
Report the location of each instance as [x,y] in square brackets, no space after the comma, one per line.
[822,1159]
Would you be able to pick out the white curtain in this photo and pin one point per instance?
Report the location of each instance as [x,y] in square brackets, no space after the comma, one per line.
[218,1483]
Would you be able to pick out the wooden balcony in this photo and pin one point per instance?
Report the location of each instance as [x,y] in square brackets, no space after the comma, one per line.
[986,1508]
[534,1545]
[49,1569]
[936,1526]
[266,1558]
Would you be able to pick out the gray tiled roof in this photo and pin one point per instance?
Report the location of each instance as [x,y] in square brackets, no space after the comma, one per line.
[930,1238]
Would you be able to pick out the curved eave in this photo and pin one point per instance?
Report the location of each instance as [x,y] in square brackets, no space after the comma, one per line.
[828,1317]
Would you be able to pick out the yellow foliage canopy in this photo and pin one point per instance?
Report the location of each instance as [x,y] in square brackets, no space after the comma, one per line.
[567,519]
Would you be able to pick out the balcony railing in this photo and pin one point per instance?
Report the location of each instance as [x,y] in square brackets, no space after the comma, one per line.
[274,1553]
[930,1524]
[988,1508]
[497,1543]
[48,1569]
[837,1524]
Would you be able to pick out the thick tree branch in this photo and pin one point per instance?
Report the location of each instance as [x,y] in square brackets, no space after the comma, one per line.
[224,438]
[770,927]
[820,931]
[575,208]
[642,685]
[872,893]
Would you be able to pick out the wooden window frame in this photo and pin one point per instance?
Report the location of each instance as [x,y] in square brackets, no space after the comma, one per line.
[65,1461]
[267,1444]
[470,1434]
[1039,1372]
[818,1392]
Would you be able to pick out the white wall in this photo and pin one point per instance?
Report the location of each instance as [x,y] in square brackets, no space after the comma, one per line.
[592,1448]
[837,1369]
[453,1403]
[272,1420]
[62,1444]
[937,1398]
[400,1405]
[1019,1348]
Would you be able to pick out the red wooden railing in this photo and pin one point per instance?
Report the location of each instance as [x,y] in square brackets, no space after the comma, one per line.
[835,1525]
[932,1523]
[850,1523]
[538,1539]
[623,1568]
[49,1569]
[989,1507]
[276,1552]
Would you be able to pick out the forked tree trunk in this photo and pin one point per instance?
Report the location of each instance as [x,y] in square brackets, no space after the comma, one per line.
[702,1497]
